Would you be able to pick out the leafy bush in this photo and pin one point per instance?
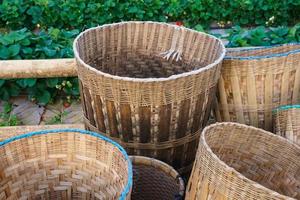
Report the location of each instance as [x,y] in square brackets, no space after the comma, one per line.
[24,44]
[80,14]
[262,36]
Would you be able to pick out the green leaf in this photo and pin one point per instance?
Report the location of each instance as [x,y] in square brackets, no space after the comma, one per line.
[4,94]
[54,33]
[52,82]
[27,50]
[49,52]
[2,81]
[44,98]
[26,82]
[14,50]
[199,28]
[4,53]
[30,81]
[25,42]
[13,90]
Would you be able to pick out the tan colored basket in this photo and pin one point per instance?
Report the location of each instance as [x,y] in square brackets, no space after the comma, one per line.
[287,122]
[149,86]
[155,180]
[255,81]
[236,161]
[63,164]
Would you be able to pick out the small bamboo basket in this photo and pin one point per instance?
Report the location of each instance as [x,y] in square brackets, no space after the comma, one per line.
[155,180]
[287,122]
[255,81]
[64,164]
[236,161]
[149,86]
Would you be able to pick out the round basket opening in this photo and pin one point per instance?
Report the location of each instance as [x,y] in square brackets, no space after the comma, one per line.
[153,179]
[260,156]
[146,49]
[64,164]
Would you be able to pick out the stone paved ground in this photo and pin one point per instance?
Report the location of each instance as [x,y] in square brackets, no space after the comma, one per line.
[30,113]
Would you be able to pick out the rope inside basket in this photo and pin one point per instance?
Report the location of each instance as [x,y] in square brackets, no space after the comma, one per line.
[44,132]
[173,52]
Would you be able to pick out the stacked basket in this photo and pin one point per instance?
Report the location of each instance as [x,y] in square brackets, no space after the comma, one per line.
[254,81]
[287,122]
[149,86]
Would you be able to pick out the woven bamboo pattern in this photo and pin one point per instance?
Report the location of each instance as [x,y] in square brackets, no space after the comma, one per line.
[64,164]
[11,131]
[155,180]
[235,161]
[287,122]
[255,81]
[149,86]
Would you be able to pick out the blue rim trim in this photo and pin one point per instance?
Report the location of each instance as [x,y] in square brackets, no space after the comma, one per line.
[27,135]
[286,107]
[265,56]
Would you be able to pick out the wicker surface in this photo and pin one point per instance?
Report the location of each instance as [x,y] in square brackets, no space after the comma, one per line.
[155,180]
[10,131]
[149,86]
[236,161]
[64,164]
[253,82]
[287,122]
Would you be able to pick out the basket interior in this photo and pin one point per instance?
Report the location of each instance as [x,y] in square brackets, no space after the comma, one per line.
[258,156]
[136,50]
[65,165]
[152,183]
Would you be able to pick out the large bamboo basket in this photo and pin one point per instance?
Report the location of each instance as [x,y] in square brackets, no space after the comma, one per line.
[155,180]
[64,164]
[149,86]
[255,81]
[236,161]
[287,122]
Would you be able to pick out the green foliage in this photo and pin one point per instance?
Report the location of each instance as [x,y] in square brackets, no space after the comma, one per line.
[262,36]
[6,118]
[24,44]
[58,119]
[80,14]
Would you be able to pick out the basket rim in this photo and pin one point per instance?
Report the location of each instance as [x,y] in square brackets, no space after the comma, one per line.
[231,169]
[259,48]
[287,107]
[128,185]
[172,77]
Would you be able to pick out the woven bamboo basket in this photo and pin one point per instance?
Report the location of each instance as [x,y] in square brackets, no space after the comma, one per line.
[287,122]
[236,161]
[255,81]
[64,164]
[155,180]
[149,86]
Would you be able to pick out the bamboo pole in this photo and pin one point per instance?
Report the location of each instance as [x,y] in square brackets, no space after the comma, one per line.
[45,68]
[38,68]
